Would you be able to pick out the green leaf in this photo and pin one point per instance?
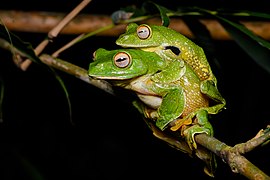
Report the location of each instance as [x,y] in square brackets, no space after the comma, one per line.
[163,14]
[15,41]
[256,47]
[28,167]
[66,93]
[162,11]
[239,27]
[257,14]
[29,53]
[244,14]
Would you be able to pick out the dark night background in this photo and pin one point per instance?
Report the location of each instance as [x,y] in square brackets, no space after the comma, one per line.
[109,139]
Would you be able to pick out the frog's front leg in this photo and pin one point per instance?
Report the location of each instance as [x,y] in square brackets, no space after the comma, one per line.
[172,106]
[162,110]
[201,126]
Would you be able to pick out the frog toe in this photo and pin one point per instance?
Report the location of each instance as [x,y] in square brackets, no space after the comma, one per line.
[179,123]
[190,132]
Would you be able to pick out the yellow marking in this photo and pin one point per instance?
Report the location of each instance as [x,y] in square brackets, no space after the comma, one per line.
[181,122]
[204,72]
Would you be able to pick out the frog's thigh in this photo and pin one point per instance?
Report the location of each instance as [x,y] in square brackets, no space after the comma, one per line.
[209,89]
[202,126]
[202,117]
[171,107]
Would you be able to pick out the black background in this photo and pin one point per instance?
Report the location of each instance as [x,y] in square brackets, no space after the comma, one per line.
[109,139]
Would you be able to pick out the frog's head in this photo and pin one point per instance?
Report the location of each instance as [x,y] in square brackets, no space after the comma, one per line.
[144,35]
[123,64]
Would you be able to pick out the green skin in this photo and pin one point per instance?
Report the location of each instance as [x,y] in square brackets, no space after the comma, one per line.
[170,92]
[171,45]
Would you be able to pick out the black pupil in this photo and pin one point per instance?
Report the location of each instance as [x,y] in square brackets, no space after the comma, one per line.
[121,59]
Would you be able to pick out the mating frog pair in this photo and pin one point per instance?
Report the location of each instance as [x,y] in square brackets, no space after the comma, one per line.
[169,73]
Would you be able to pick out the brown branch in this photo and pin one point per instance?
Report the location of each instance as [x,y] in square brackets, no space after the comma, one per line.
[260,139]
[76,71]
[62,66]
[231,155]
[43,22]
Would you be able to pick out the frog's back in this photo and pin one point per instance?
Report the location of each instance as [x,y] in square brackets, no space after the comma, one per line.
[194,99]
[190,52]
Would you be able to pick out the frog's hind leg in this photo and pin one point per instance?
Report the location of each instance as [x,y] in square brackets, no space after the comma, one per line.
[209,89]
[201,126]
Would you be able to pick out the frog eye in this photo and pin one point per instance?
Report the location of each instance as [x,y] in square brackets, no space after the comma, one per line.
[143,31]
[122,59]
[94,55]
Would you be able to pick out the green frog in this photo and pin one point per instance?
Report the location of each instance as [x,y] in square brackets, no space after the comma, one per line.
[169,94]
[171,45]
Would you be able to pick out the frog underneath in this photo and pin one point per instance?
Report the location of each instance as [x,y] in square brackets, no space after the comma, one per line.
[170,94]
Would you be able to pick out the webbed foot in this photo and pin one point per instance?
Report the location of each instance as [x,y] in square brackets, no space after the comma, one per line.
[181,123]
[190,132]
[201,126]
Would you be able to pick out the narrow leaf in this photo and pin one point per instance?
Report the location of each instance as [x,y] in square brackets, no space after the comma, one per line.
[29,53]
[29,168]
[254,46]
[244,30]
[15,41]
[258,14]
[162,11]
[61,82]
[163,14]
[244,14]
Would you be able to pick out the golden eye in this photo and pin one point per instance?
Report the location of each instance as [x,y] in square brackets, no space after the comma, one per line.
[143,31]
[122,59]
[94,55]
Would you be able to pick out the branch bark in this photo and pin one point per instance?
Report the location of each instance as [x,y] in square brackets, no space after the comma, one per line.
[231,155]
[43,22]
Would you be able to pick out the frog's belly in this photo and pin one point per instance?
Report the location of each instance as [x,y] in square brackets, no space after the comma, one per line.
[194,100]
[151,101]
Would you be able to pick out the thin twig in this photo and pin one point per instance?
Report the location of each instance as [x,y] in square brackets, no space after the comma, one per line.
[55,31]
[80,38]
[68,45]
[26,63]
